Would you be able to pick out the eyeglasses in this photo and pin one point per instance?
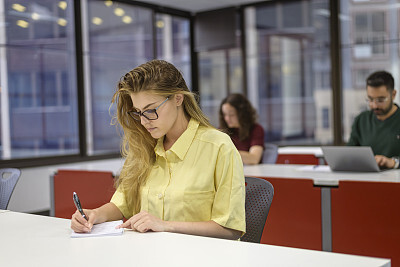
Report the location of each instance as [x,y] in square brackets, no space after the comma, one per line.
[379,100]
[150,114]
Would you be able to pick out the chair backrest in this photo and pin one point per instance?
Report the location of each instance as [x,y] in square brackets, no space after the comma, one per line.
[94,189]
[270,154]
[259,195]
[8,179]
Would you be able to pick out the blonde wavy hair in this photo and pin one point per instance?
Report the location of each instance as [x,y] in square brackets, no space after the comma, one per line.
[156,77]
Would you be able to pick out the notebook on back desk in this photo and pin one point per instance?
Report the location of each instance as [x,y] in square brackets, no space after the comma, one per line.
[350,158]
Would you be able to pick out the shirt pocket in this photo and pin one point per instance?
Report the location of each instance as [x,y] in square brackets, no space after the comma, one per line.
[197,205]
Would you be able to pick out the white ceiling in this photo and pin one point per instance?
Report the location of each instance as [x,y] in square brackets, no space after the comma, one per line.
[195,6]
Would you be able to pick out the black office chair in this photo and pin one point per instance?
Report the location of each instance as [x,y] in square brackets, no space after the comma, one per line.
[259,194]
[270,154]
[8,179]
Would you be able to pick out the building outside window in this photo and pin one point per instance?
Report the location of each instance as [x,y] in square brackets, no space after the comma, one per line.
[38,79]
[38,72]
[220,67]
[173,43]
[369,36]
[119,38]
[288,67]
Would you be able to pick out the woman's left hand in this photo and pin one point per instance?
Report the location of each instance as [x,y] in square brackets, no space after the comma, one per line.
[144,222]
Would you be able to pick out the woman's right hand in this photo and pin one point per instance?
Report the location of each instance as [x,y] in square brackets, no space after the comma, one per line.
[80,224]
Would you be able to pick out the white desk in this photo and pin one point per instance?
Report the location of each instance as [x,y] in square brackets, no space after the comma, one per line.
[32,240]
[323,179]
[320,178]
[316,151]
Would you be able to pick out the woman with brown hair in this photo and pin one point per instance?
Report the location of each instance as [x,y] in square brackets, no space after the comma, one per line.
[237,118]
[180,174]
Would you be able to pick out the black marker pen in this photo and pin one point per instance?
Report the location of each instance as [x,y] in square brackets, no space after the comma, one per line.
[78,205]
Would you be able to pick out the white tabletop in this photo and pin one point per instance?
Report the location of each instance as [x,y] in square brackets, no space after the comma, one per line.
[301,150]
[111,165]
[32,240]
[321,175]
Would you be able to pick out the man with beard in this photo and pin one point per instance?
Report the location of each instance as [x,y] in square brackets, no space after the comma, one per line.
[379,127]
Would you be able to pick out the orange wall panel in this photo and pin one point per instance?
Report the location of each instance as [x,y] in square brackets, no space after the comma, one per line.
[294,219]
[366,219]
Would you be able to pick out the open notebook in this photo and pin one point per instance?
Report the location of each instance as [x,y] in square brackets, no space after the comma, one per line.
[102,229]
[350,158]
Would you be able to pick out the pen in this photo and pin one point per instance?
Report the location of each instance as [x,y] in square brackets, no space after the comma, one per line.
[78,205]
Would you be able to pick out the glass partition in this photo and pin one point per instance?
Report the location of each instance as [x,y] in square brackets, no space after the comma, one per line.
[288,70]
[118,38]
[39,114]
[370,42]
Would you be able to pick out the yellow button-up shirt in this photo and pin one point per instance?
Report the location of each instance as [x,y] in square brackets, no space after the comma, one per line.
[200,178]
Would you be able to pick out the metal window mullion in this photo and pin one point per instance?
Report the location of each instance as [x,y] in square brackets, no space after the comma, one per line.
[5,111]
[86,79]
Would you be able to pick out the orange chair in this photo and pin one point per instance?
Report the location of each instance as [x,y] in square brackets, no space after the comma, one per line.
[94,189]
[297,159]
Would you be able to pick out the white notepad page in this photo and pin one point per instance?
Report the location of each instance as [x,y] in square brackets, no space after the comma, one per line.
[102,229]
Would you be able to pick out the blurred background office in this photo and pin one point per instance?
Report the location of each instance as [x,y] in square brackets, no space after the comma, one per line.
[60,61]
[302,64]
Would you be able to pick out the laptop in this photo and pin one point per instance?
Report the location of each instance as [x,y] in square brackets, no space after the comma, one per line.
[350,158]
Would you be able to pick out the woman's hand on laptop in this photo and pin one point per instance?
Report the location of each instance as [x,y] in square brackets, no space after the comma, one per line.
[384,162]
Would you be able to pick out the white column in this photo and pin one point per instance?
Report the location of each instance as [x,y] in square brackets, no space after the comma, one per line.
[291,86]
[5,114]
[251,56]
[167,38]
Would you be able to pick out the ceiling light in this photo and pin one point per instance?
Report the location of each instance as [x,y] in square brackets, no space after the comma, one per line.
[23,23]
[119,12]
[97,21]
[62,5]
[126,19]
[160,24]
[18,7]
[108,3]
[62,22]
[35,16]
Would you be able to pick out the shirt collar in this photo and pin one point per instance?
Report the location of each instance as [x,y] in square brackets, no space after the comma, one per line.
[181,146]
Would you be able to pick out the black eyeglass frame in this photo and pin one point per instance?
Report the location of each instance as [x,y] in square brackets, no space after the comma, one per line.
[378,100]
[137,114]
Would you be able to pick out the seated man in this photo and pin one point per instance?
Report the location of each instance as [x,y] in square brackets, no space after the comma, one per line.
[379,127]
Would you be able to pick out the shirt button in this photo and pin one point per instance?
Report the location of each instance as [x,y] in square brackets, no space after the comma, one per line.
[160,196]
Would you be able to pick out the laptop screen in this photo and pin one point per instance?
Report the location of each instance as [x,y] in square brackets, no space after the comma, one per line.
[350,158]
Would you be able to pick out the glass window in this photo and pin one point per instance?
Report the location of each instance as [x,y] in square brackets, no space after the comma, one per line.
[369,33]
[173,43]
[39,114]
[220,74]
[288,67]
[119,38]
[369,43]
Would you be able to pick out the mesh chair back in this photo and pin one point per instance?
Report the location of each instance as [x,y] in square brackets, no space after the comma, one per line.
[8,179]
[259,194]
[270,154]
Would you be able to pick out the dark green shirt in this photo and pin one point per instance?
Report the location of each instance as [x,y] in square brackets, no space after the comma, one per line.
[382,136]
